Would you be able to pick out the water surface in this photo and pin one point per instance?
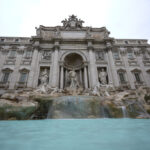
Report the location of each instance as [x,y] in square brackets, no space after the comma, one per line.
[75,134]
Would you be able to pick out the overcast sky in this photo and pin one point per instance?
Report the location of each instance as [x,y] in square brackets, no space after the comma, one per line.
[123,18]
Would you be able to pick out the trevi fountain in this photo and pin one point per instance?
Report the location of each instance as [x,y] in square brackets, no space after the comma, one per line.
[64,88]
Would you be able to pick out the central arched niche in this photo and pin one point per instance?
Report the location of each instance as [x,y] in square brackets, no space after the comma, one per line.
[73,61]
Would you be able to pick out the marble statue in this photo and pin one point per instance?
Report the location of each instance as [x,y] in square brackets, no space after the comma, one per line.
[44,77]
[57,33]
[102,77]
[73,79]
[88,32]
[96,90]
[100,90]
[43,82]
[46,55]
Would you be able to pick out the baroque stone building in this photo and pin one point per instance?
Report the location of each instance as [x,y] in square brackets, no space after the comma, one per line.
[88,51]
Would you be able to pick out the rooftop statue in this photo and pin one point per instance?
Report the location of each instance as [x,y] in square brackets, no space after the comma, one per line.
[72,22]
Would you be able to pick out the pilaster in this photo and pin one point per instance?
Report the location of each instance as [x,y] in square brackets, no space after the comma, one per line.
[55,65]
[112,65]
[34,71]
[92,65]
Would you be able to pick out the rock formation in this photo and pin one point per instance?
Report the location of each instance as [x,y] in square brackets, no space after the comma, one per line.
[107,103]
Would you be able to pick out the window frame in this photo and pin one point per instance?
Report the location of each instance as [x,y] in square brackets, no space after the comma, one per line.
[114,55]
[137,74]
[130,55]
[4,72]
[28,54]
[5,78]
[123,77]
[22,79]
[12,55]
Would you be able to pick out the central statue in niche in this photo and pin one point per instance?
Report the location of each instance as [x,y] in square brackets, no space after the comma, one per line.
[73,79]
[74,73]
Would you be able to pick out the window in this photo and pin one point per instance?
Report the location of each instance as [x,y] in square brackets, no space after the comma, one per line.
[2,40]
[23,77]
[122,77]
[16,40]
[137,77]
[130,55]
[5,77]
[116,55]
[28,54]
[12,54]
[126,42]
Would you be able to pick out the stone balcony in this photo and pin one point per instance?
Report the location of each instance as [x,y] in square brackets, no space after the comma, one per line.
[124,85]
[146,61]
[119,62]
[20,85]
[4,85]
[139,84]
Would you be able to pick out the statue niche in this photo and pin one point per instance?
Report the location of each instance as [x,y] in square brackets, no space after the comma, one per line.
[43,76]
[102,76]
[73,72]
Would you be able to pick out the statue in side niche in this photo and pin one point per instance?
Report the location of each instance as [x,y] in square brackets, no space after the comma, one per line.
[102,76]
[44,77]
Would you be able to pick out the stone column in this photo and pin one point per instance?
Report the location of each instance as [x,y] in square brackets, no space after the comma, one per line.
[85,77]
[33,74]
[113,68]
[66,75]
[92,66]
[109,71]
[81,76]
[55,66]
[62,77]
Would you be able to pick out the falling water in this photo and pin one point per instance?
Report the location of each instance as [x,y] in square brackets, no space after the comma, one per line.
[124,111]
[145,113]
[49,114]
[105,112]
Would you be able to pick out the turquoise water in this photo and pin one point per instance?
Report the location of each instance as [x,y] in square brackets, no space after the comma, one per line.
[75,134]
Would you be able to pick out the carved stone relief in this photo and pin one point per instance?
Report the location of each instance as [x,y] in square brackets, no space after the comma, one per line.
[100,56]
[72,22]
[46,55]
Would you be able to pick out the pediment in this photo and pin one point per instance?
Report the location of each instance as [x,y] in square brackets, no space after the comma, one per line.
[136,70]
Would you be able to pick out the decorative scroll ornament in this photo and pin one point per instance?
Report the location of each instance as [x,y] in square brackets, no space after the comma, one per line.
[72,22]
